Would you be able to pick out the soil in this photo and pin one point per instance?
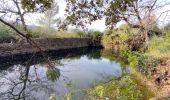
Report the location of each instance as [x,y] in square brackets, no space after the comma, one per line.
[161,77]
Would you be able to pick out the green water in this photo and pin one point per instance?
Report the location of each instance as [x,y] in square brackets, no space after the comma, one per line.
[70,77]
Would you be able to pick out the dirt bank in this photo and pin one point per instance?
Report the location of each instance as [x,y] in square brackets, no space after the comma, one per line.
[10,51]
[161,76]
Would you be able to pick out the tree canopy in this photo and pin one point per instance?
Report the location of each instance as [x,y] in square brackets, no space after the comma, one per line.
[36,5]
[133,12]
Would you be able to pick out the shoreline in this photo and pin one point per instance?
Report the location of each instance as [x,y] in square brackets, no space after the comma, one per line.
[20,51]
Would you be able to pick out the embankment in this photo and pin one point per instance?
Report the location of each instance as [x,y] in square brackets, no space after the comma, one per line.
[22,50]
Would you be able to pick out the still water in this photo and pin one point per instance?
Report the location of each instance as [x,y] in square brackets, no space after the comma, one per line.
[32,80]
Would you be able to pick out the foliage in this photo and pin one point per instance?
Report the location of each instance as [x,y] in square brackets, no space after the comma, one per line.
[147,64]
[167,30]
[48,20]
[53,74]
[159,47]
[6,34]
[118,36]
[39,32]
[122,88]
[94,54]
[79,33]
[31,5]
[70,93]
[167,27]
[80,13]
[68,34]
[131,57]
[95,35]
[156,29]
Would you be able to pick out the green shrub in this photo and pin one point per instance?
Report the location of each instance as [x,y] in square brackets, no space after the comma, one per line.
[158,47]
[118,36]
[147,64]
[95,35]
[123,88]
[79,33]
[67,34]
[6,34]
[156,29]
[131,57]
[40,32]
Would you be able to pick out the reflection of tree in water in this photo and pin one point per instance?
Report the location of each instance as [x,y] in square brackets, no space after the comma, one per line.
[28,81]
[111,55]
[19,85]
[96,54]
[114,56]
[25,80]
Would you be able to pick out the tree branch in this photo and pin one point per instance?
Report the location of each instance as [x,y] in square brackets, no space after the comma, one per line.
[11,26]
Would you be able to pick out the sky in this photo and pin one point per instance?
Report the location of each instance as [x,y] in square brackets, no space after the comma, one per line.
[99,25]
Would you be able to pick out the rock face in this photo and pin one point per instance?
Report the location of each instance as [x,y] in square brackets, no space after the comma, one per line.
[9,51]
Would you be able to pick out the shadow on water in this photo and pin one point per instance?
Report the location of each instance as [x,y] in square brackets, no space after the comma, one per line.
[37,58]
[36,79]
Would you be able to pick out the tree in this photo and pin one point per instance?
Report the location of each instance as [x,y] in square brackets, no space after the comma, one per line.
[48,20]
[136,13]
[16,9]
[20,7]
[36,5]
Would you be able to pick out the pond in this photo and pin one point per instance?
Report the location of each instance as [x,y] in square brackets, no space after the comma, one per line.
[60,77]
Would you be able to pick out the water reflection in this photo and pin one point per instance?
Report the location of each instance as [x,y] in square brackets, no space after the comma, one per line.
[38,80]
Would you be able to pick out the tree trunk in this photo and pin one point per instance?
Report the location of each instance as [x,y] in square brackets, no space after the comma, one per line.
[23,22]
[146,36]
[21,15]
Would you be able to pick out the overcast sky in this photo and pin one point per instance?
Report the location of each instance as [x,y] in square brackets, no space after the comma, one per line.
[100,24]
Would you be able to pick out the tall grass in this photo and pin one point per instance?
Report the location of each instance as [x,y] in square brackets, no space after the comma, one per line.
[6,34]
[159,47]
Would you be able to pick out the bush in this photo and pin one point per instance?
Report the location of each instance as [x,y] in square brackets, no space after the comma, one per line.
[158,47]
[118,36]
[6,34]
[126,87]
[95,35]
[79,33]
[156,29]
[68,34]
[131,57]
[40,32]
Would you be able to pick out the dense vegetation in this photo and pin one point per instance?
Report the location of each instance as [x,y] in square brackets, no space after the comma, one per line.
[140,42]
[121,88]
[145,60]
[8,35]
